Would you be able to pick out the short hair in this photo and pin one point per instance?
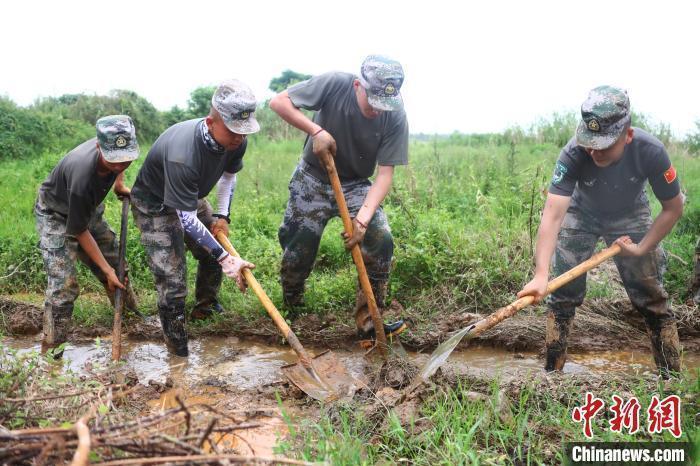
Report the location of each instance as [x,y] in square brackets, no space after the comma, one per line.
[214,114]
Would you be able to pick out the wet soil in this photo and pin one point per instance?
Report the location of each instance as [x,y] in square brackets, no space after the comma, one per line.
[599,325]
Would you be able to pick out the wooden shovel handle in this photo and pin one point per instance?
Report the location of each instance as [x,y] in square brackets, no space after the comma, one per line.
[119,293]
[554,284]
[329,164]
[277,318]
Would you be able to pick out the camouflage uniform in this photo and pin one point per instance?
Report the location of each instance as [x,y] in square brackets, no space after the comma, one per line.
[60,253]
[164,240]
[311,205]
[641,276]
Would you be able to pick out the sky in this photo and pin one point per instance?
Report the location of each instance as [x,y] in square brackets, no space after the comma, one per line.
[469,66]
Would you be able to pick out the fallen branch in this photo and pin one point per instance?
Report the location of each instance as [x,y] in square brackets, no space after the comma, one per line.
[205,458]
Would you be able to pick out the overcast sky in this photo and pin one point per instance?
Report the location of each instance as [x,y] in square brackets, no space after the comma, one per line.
[470,66]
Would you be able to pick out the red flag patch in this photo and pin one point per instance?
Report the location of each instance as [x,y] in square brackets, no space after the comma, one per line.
[670,175]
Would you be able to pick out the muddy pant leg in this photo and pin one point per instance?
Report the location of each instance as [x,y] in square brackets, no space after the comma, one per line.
[162,239]
[308,210]
[575,244]
[643,281]
[59,254]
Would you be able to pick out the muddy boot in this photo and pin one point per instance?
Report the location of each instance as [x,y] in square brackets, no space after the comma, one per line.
[665,346]
[293,301]
[56,325]
[172,319]
[202,312]
[558,329]
[363,320]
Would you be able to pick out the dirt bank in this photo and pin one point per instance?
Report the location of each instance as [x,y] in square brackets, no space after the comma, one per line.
[599,325]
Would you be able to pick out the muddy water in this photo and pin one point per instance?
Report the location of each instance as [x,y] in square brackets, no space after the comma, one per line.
[245,365]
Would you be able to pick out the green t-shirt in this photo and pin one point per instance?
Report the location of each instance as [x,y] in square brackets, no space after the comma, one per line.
[362,143]
[73,188]
[180,168]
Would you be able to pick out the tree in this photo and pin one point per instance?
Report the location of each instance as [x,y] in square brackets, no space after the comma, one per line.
[286,79]
[200,101]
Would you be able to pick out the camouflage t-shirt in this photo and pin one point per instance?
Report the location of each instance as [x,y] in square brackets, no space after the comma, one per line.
[180,168]
[362,143]
[619,187]
[73,188]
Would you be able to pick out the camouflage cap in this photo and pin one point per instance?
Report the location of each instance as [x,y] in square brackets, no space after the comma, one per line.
[236,104]
[382,78]
[116,136]
[604,115]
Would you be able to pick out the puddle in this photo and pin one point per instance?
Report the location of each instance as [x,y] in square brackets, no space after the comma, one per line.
[245,365]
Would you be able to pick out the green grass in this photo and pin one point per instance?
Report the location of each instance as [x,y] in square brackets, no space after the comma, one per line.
[464,214]
[527,427]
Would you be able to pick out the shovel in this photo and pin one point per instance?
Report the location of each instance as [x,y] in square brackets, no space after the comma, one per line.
[443,351]
[119,293]
[329,164]
[322,377]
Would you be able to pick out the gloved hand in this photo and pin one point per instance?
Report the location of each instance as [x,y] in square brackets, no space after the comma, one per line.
[358,234]
[219,225]
[323,143]
[233,268]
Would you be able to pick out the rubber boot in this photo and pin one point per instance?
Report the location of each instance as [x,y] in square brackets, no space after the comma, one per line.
[172,319]
[363,319]
[56,325]
[665,346]
[556,341]
[208,283]
[293,301]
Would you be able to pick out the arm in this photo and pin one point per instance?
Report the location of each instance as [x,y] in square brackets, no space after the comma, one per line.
[195,229]
[376,194]
[671,211]
[323,142]
[224,195]
[87,242]
[553,214]
[120,189]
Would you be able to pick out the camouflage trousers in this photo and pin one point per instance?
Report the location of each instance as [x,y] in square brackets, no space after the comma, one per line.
[60,253]
[642,278]
[164,241]
[311,205]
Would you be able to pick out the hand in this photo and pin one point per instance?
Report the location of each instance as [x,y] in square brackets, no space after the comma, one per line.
[323,143]
[233,268]
[121,190]
[629,248]
[536,288]
[219,225]
[358,234]
[113,281]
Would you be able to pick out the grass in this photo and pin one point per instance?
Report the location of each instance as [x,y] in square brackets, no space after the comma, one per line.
[464,214]
[527,426]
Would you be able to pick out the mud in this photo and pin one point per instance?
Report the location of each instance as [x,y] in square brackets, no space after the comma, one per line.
[599,325]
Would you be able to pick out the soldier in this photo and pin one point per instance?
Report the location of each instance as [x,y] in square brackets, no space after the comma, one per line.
[69,220]
[598,191]
[170,209]
[361,122]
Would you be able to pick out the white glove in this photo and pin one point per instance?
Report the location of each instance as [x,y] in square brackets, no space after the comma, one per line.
[233,268]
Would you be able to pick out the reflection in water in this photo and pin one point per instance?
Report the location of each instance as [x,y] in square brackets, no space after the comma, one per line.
[246,365]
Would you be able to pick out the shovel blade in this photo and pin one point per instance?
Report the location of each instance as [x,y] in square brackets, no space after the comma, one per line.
[440,355]
[326,380]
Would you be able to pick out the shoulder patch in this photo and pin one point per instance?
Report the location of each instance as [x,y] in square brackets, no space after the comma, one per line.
[670,175]
[559,172]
